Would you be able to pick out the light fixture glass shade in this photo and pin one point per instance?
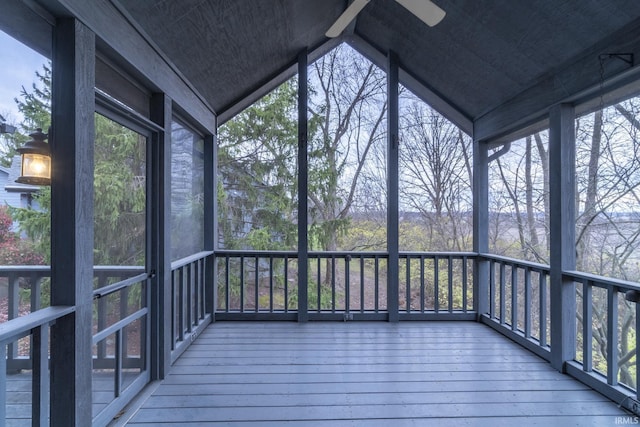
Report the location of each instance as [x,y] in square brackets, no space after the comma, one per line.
[36,169]
[36,161]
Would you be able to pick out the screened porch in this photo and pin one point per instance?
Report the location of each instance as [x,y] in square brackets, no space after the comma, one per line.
[204,260]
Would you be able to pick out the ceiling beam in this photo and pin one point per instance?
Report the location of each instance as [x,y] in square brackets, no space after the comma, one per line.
[585,76]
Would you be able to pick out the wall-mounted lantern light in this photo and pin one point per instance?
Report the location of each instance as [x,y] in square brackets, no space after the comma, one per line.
[36,160]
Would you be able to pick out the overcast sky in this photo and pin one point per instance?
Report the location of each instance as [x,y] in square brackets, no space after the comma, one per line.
[18,65]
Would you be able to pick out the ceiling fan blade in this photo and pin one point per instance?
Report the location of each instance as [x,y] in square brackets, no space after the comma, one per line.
[347,16]
[427,11]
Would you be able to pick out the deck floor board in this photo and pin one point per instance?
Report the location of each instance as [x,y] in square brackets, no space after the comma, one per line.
[365,374]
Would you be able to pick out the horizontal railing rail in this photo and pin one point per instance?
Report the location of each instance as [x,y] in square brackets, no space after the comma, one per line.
[519,302]
[607,326]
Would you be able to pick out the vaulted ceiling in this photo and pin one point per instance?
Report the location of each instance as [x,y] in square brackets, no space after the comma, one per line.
[484,55]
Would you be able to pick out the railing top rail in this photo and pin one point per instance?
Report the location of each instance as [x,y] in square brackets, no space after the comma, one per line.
[25,269]
[191,258]
[29,269]
[344,254]
[19,326]
[443,254]
[109,289]
[601,280]
[118,268]
[254,253]
[338,254]
[518,262]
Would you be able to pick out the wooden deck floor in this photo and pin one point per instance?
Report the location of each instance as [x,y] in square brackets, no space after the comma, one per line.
[366,374]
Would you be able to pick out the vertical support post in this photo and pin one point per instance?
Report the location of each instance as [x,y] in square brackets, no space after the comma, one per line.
[161,113]
[211,222]
[562,241]
[73,106]
[303,170]
[393,240]
[481,301]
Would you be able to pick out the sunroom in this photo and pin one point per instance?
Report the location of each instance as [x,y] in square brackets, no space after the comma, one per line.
[452,186]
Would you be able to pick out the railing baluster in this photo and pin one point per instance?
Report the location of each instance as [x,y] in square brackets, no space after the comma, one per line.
[503,294]
[612,336]
[333,283]
[450,282]
[102,317]
[13,312]
[270,283]
[408,284]
[202,287]
[117,387]
[492,289]
[376,273]
[527,302]
[514,298]
[543,309]
[242,283]
[256,287]
[421,283]
[465,272]
[174,310]
[180,305]
[319,269]
[124,301]
[227,286]
[286,284]
[347,283]
[40,376]
[436,283]
[361,283]
[587,322]
[36,298]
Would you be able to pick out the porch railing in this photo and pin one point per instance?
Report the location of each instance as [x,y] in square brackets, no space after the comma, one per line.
[342,285]
[519,302]
[35,328]
[191,288]
[607,338]
[607,325]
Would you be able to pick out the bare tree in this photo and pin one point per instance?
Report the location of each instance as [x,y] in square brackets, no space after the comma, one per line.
[436,176]
[348,104]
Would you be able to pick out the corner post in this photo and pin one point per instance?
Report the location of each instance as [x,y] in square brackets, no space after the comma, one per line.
[393,204]
[73,133]
[480,227]
[562,242]
[303,170]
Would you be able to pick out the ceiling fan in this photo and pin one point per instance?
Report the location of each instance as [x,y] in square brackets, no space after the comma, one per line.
[427,11]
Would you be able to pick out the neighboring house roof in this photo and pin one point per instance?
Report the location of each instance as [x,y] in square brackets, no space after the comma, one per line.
[14,173]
